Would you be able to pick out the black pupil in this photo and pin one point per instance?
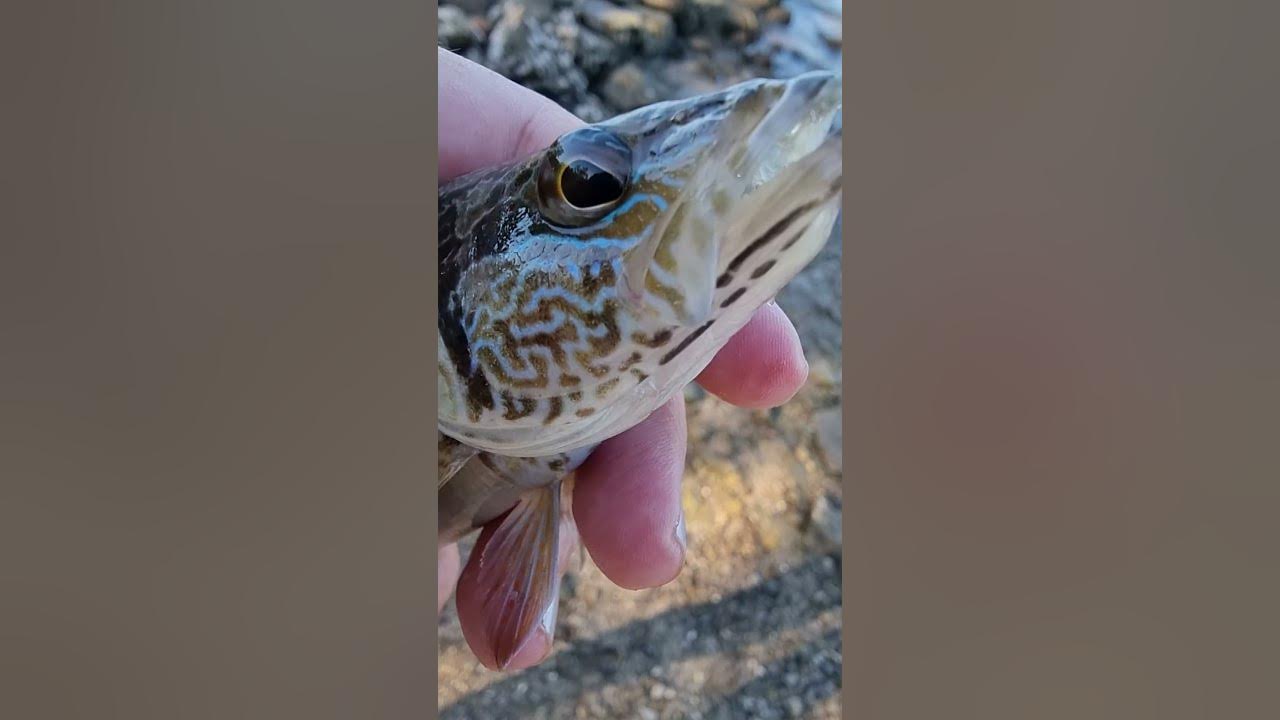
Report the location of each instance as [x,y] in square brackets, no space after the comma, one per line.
[586,185]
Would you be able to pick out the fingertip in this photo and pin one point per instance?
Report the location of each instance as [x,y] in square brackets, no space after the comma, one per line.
[628,501]
[762,365]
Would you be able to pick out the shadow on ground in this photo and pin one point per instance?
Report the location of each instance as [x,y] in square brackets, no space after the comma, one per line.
[759,614]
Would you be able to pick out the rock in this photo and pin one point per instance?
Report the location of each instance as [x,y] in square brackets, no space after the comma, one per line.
[733,19]
[777,15]
[470,7]
[476,55]
[704,16]
[830,438]
[628,87]
[743,20]
[795,706]
[597,54]
[824,523]
[823,373]
[648,31]
[591,110]
[760,52]
[647,713]
[454,29]
[670,7]
[593,52]
[527,51]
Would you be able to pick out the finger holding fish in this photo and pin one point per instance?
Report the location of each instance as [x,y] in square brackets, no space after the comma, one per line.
[627,501]
[762,365]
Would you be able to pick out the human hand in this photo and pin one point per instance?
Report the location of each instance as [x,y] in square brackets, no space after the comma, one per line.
[626,496]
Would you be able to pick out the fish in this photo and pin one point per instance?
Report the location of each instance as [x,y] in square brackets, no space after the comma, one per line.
[583,286]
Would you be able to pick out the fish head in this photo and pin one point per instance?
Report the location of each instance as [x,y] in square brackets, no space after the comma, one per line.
[701,171]
[585,284]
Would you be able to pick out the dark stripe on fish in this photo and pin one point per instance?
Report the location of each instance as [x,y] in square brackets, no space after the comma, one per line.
[769,235]
[733,298]
[795,239]
[755,274]
[685,343]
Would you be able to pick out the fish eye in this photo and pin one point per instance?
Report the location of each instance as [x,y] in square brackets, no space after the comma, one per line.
[583,177]
[583,184]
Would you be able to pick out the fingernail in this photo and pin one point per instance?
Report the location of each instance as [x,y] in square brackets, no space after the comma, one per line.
[682,536]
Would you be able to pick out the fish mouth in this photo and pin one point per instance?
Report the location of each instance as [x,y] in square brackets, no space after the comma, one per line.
[772,128]
[793,128]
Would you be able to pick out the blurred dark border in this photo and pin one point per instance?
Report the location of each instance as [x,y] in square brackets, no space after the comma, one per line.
[1063,337]
[215,409]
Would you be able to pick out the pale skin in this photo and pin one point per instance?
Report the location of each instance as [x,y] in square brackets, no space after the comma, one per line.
[626,497]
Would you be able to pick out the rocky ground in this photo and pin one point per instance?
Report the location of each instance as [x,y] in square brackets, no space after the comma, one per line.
[751,629]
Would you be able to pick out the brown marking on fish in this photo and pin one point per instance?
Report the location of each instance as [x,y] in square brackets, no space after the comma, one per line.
[491,362]
[556,407]
[660,338]
[605,387]
[527,406]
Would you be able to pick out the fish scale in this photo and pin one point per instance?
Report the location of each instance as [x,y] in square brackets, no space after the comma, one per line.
[582,287]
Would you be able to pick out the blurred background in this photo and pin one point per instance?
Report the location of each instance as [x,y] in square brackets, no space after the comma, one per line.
[751,628]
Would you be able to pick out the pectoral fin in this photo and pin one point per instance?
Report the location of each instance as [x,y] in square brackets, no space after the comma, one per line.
[451,455]
[519,571]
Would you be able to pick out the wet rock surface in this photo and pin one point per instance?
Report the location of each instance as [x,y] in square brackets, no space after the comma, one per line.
[751,628]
